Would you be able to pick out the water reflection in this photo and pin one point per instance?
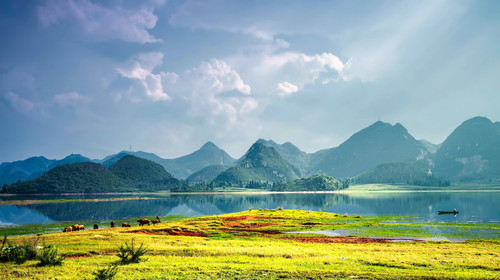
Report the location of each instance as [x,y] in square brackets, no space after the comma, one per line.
[475,207]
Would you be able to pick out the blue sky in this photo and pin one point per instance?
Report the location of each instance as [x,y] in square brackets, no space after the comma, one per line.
[94,77]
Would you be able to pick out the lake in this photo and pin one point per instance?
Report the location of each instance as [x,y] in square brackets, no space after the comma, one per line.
[474,206]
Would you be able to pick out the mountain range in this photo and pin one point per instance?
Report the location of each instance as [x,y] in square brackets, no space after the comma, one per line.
[470,154]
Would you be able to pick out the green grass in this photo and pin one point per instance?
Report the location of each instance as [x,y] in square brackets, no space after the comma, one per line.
[245,245]
[403,188]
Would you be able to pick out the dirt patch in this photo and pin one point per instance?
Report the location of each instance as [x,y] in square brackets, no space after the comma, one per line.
[172,232]
[347,240]
[77,256]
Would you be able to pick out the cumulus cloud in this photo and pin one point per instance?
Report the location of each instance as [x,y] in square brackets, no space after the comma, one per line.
[115,22]
[140,68]
[286,88]
[20,104]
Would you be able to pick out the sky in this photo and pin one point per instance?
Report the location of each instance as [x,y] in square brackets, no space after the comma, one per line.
[96,77]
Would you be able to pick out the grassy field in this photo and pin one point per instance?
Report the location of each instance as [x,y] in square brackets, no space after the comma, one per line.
[257,245]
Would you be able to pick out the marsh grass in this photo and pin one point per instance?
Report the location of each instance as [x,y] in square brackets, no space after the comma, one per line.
[227,253]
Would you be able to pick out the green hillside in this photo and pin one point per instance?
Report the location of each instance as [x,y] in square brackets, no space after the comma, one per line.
[85,177]
[412,173]
[259,164]
[207,173]
[471,153]
[290,153]
[313,183]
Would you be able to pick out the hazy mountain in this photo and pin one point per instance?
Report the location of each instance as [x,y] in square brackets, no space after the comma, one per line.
[471,153]
[130,173]
[207,173]
[260,163]
[290,153]
[381,142]
[11,172]
[208,154]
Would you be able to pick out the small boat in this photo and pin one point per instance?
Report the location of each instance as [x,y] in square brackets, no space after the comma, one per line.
[454,212]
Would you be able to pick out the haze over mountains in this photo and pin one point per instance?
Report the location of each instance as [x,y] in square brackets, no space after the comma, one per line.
[471,154]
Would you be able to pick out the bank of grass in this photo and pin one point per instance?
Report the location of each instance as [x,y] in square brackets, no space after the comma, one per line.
[413,188]
[254,245]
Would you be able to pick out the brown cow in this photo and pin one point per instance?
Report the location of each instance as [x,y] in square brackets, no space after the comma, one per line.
[81,227]
[96,226]
[125,225]
[112,223]
[155,222]
[68,229]
[143,222]
[75,227]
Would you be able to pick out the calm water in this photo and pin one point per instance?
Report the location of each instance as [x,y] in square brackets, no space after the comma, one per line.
[473,206]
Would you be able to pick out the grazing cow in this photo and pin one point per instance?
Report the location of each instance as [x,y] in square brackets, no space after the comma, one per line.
[112,223]
[143,222]
[155,222]
[96,226]
[125,225]
[81,227]
[158,219]
[75,227]
[68,229]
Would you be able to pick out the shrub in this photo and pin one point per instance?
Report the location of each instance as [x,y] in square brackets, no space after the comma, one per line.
[106,273]
[48,256]
[129,254]
[20,253]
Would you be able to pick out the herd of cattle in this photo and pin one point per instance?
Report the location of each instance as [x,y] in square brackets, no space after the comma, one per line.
[142,222]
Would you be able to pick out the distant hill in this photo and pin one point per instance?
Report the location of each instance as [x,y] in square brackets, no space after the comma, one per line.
[381,142]
[290,153]
[130,173]
[471,153]
[207,173]
[260,164]
[11,172]
[312,183]
[412,173]
[208,154]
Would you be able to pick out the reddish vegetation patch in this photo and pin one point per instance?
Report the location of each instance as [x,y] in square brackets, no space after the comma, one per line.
[251,225]
[72,257]
[172,232]
[349,240]
[238,218]
[252,230]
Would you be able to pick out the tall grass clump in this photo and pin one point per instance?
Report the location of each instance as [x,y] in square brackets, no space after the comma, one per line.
[48,256]
[106,273]
[130,254]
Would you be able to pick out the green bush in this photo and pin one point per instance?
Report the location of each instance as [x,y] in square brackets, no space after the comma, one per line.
[20,253]
[106,273]
[129,254]
[48,256]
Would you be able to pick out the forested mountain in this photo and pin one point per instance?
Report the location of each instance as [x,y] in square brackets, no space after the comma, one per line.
[312,183]
[471,153]
[290,153]
[260,164]
[381,142]
[130,173]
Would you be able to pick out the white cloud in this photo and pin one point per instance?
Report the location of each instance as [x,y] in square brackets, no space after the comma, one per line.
[19,103]
[219,77]
[70,99]
[286,88]
[102,22]
[140,68]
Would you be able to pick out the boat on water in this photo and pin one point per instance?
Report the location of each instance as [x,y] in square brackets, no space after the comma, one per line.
[454,212]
